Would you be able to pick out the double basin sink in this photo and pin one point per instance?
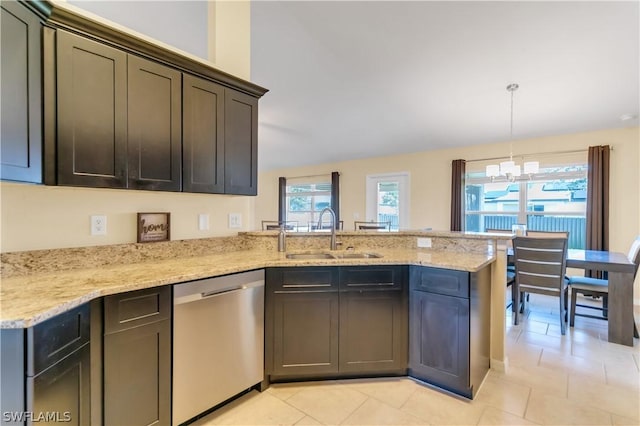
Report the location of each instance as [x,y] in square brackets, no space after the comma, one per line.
[332,255]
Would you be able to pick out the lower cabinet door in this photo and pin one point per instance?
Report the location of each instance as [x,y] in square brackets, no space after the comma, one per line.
[137,376]
[61,393]
[439,340]
[373,331]
[305,333]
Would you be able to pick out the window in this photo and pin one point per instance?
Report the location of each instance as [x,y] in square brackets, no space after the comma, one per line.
[388,199]
[552,200]
[306,197]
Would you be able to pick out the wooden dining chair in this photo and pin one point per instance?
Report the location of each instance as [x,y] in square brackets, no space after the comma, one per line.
[590,287]
[313,226]
[548,234]
[372,226]
[540,268]
[274,225]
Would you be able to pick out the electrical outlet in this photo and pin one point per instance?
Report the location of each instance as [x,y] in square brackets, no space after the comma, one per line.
[98,225]
[203,221]
[235,220]
[424,242]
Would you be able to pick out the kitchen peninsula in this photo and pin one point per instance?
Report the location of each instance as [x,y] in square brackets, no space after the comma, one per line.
[41,285]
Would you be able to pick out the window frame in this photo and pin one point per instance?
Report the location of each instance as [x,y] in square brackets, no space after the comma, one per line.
[523,215]
[404,199]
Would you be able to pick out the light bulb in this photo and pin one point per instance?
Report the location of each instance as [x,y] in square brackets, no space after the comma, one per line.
[492,170]
[531,167]
[506,167]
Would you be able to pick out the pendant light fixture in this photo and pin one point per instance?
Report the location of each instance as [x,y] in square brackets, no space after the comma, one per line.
[510,169]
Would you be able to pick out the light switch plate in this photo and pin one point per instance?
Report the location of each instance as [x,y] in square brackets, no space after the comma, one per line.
[235,220]
[203,222]
[98,225]
[424,242]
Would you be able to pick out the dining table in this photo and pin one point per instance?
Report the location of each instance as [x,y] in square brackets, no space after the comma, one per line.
[620,272]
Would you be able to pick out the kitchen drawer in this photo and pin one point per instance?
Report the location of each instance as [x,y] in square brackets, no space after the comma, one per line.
[442,281]
[136,308]
[302,280]
[376,278]
[56,338]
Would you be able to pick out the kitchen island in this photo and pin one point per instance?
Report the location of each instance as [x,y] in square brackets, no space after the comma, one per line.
[39,286]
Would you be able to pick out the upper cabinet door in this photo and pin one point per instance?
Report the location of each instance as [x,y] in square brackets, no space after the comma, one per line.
[92,113]
[241,144]
[203,136]
[21,129]
[155,126]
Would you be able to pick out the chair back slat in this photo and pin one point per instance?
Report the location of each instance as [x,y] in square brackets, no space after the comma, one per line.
[548,234]
[371,226]
[274,225]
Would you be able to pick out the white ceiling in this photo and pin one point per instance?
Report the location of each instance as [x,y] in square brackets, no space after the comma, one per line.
[362,79]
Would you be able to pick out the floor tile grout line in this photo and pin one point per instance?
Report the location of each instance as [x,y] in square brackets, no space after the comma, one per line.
[526,407]
[356,409]
[412,393]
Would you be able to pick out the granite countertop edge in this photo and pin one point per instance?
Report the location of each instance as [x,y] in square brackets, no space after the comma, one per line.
[31,299]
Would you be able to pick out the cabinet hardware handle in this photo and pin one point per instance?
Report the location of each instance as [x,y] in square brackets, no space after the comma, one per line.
[369,284]
[305,285]
[218,292]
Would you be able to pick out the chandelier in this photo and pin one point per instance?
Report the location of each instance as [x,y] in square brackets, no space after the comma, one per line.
[510,169]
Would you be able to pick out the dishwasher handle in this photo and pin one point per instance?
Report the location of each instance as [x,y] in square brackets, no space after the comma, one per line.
[206,294]
[201,290]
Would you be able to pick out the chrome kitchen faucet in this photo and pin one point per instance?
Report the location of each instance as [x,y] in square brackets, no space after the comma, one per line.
[333,245]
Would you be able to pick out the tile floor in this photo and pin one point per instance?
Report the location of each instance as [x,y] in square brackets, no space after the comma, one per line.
[578,379]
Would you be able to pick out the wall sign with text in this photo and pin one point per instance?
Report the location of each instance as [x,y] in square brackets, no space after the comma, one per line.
[153,227]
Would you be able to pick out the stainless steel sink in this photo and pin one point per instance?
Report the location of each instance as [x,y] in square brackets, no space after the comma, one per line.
[302,256]
[337,255]
[357,255]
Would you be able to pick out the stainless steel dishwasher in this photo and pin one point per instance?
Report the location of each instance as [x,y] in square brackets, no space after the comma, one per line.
[218,341]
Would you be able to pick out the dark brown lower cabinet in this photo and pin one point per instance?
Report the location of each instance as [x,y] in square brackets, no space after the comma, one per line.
[301,321]
[137,358]
[335,321]
[305,333]
[449,328]
[373,319]
[440,339]
[61,393]
[46,371]
[373,331]
[136,382]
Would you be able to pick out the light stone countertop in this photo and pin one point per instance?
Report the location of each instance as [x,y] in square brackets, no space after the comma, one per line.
[30,299]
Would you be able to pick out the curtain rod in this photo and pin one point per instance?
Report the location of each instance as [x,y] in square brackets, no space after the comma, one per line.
[310,176]
[576,151]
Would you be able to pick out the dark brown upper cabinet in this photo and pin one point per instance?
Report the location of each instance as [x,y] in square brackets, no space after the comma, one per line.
[155,126]
[240,143]
[122,112]
[91,113]
[21,129]
[119,118]
[203,135]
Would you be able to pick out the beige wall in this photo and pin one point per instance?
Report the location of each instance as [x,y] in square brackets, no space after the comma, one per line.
[40,217]
[230,36]
[43,217]
[431,175]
